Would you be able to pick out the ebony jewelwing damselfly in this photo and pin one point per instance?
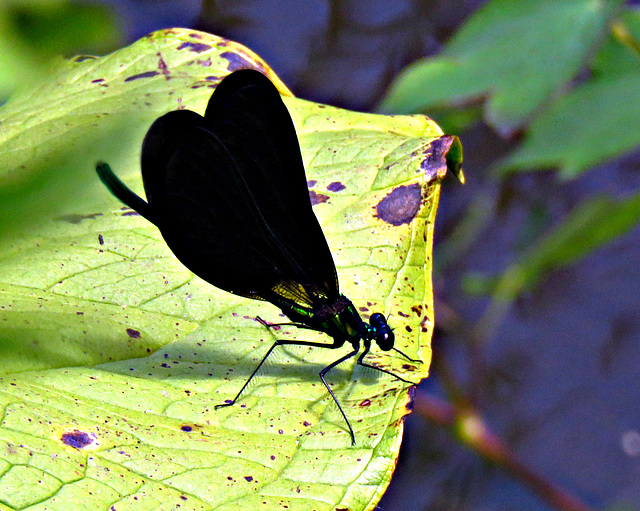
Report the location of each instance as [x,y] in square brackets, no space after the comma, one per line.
[229,194]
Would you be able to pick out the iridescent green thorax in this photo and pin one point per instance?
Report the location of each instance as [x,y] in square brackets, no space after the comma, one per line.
[340,320]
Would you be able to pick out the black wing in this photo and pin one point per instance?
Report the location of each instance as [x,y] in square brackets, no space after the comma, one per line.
[229,194]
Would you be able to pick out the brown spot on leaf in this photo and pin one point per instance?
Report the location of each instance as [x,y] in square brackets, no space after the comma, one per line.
[162,66]
[317,198]
[401,205]
[423,324]
[444,153]
[417,309]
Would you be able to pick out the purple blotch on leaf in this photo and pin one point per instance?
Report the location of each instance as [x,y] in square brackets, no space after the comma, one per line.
[195,47]
[336,186]
[76,438]
[236,62]
[134,334]
[401,205]
[148,74]
[317,198]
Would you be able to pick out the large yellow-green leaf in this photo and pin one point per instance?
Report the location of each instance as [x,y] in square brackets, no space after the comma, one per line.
[114,355]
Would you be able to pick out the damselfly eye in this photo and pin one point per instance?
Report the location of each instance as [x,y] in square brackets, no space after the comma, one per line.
[383,334]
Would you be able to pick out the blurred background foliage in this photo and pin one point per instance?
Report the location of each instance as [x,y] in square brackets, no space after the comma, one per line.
[536,258]
[33,33]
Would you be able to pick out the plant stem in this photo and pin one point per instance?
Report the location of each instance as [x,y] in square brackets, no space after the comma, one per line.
[621,32]
[470,429]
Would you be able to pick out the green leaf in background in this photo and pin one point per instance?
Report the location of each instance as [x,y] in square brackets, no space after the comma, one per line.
[32,32]
[620,53]
[114,355]
[591,225]
[514,53]
[595,121]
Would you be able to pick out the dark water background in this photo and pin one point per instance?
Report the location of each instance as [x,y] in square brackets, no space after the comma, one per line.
[562,382]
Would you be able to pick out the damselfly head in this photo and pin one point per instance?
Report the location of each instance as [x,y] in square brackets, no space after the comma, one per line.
[382,333]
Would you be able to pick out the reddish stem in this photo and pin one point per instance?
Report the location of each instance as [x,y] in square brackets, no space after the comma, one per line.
[470,429]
